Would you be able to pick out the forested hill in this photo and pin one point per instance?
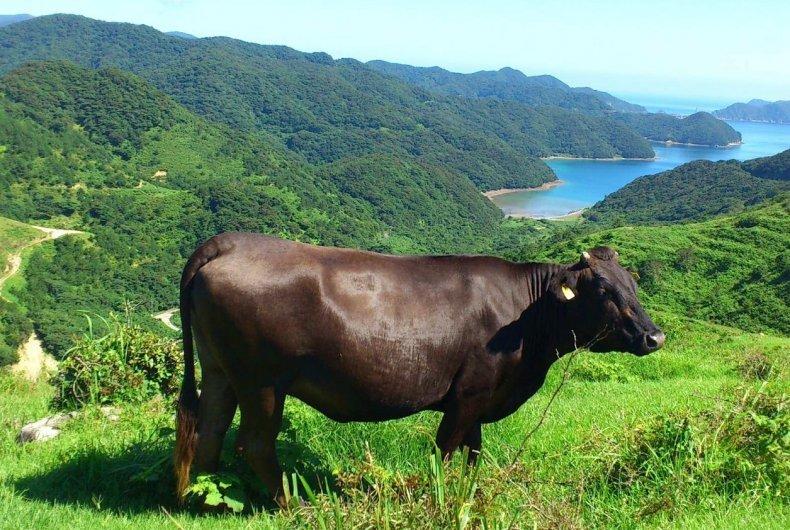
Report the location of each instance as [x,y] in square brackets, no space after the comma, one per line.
[701,128]
[756,110]
[104,152]
[327,110]
[695,190]
[508,84]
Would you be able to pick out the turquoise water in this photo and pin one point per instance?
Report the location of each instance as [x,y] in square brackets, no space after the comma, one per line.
[588,181]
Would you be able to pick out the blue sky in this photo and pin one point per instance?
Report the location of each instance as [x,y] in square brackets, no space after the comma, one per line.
[718,51]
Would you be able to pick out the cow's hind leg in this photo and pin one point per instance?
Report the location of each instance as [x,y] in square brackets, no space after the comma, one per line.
[261,417]
[215,414]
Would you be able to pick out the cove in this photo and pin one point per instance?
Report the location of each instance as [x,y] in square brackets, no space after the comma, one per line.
[586,182]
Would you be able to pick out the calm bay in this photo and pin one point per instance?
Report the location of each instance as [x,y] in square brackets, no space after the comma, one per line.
[585,182]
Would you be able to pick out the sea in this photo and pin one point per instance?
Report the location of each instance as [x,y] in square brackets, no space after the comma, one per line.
[586,182]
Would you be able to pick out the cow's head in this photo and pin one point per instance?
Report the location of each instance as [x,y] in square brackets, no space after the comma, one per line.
[602,307]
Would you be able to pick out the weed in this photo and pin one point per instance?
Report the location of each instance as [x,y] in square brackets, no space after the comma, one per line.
[756,366]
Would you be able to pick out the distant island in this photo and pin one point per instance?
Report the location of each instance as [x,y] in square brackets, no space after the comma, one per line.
[701,128]
[757,110]
[6,20]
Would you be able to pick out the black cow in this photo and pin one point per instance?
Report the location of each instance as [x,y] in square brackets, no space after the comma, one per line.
[362,336]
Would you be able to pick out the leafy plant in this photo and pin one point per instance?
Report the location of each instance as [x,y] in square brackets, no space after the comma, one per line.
[126,365]
[221,491]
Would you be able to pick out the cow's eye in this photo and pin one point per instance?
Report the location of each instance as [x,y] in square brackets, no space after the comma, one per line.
[601,292]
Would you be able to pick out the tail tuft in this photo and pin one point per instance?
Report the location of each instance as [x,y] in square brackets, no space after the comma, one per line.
[186,438]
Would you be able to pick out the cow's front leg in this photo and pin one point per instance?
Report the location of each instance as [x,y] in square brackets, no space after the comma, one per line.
[459,426]
[473,441]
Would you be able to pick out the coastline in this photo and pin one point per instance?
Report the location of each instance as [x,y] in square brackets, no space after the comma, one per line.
[670,143]
[504,191]
[570,215]
[612,159]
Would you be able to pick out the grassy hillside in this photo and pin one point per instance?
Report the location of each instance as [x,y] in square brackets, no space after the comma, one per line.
[13,237]
[733,270]
[695,190]
[326,109]
[690,437]
[670,421]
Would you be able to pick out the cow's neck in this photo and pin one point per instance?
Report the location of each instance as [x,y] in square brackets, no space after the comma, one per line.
[548,332]
[538,330]
[547,329]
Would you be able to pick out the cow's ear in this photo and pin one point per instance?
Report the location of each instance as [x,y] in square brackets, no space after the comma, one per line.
[564,287]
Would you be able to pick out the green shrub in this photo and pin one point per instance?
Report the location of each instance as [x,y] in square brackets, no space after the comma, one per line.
[742,447]
[596,367]
[686,259]
[650,273]
[128,364]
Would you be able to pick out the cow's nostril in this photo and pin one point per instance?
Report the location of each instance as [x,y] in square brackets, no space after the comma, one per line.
[655,340]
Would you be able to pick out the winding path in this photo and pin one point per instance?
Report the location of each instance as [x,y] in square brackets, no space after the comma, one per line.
[33,360]
[167,318]
[15,260]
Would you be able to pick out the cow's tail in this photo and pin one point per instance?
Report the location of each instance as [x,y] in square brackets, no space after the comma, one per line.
[187,414]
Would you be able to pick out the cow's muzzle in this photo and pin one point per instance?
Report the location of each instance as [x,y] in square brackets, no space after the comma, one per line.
[651,341]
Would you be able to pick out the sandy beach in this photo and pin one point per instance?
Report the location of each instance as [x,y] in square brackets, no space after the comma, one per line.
[613,159]
[505,191]
[570,215]
[672,142]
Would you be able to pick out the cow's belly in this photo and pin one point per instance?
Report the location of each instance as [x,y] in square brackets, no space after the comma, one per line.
[372,386]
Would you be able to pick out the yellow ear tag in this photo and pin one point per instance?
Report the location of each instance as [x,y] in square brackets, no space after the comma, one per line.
[568,292]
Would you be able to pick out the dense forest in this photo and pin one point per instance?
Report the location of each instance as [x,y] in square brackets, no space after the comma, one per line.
[756,110]
[103,151]
[326,110]
[695,190]
[508,84]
